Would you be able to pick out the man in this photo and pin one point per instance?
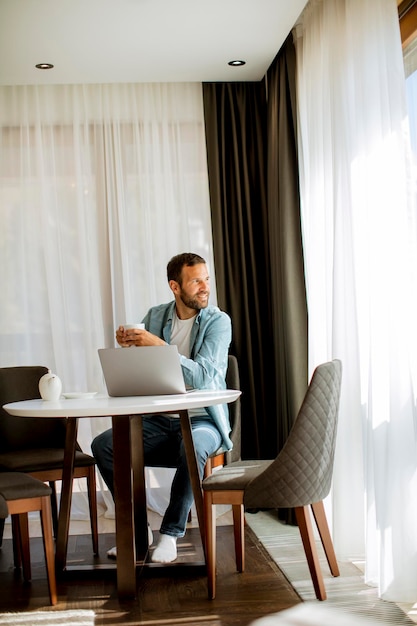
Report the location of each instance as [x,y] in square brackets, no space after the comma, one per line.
[202,334]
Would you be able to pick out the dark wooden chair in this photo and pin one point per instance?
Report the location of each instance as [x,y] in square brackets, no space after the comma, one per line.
[35,446]
[19,495]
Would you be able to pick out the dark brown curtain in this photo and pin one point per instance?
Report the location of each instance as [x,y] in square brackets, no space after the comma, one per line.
[286,251]
[235,115]
[253,175]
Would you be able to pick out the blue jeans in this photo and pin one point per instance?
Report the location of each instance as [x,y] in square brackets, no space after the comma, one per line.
[164,447]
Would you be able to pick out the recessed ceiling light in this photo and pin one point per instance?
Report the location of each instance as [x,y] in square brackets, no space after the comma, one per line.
[236,63]
[44,66]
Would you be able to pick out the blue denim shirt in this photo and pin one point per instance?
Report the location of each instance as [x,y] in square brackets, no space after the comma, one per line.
[210,339]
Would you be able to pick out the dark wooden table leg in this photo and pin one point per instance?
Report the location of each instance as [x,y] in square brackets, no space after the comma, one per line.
[139,488]
[123,496]
[194,475]
[66,494]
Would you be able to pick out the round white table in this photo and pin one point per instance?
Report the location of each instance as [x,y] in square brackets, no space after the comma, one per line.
[129,478]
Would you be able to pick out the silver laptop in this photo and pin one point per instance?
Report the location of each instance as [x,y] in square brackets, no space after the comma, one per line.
[142,371]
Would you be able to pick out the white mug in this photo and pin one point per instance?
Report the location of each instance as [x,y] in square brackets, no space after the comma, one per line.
[133,326]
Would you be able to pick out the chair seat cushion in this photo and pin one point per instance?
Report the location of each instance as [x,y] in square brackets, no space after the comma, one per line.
[15,485]
[234,476]
[38,459]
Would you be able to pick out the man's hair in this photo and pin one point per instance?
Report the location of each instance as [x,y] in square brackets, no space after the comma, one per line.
[175,265]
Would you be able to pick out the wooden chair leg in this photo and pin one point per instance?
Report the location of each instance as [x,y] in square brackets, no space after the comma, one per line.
[48,544]
[2,521]
[92,503]
[326,540]
[22,544]
[306,530]
[17,554]
[210,520]
[54,507]
[239,534]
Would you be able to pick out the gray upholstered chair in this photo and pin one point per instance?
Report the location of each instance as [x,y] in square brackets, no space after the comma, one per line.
[299,477]
[19,495]
[35,446]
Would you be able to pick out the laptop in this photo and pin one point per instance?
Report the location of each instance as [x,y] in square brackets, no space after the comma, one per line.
[142,370]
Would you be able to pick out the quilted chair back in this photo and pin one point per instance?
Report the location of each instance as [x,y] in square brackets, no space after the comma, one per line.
[17,433]
[302,472]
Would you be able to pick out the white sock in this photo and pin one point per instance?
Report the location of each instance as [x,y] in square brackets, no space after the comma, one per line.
[166,550]
[112,553]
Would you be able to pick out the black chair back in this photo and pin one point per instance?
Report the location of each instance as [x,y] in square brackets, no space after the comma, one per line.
[17,433]
[233,382]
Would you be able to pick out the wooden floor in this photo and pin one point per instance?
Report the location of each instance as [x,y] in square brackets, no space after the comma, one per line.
[166,596]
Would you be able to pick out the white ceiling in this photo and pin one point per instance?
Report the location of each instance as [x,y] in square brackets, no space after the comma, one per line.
[131,41]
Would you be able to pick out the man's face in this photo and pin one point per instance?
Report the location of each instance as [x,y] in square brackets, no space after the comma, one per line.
[194,290]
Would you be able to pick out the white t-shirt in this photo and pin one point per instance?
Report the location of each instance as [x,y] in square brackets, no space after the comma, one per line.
[180,336]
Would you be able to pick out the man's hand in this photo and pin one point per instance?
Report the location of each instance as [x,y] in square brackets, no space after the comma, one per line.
[137,337]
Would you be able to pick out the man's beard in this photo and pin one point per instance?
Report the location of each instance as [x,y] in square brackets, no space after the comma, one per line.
[193,303]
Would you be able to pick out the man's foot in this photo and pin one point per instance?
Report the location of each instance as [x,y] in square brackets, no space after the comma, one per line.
[112,553]
[166,550]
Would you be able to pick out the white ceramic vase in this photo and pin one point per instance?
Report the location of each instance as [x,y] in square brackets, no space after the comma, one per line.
[50,386]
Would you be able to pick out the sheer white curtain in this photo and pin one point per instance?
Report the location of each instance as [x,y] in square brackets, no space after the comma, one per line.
[359,229]
[99,186]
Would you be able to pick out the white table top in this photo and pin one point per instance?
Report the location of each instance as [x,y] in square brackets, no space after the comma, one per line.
[102,405]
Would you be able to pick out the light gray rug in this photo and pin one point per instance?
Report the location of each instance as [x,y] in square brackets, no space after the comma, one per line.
[347,593]
[49,618]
